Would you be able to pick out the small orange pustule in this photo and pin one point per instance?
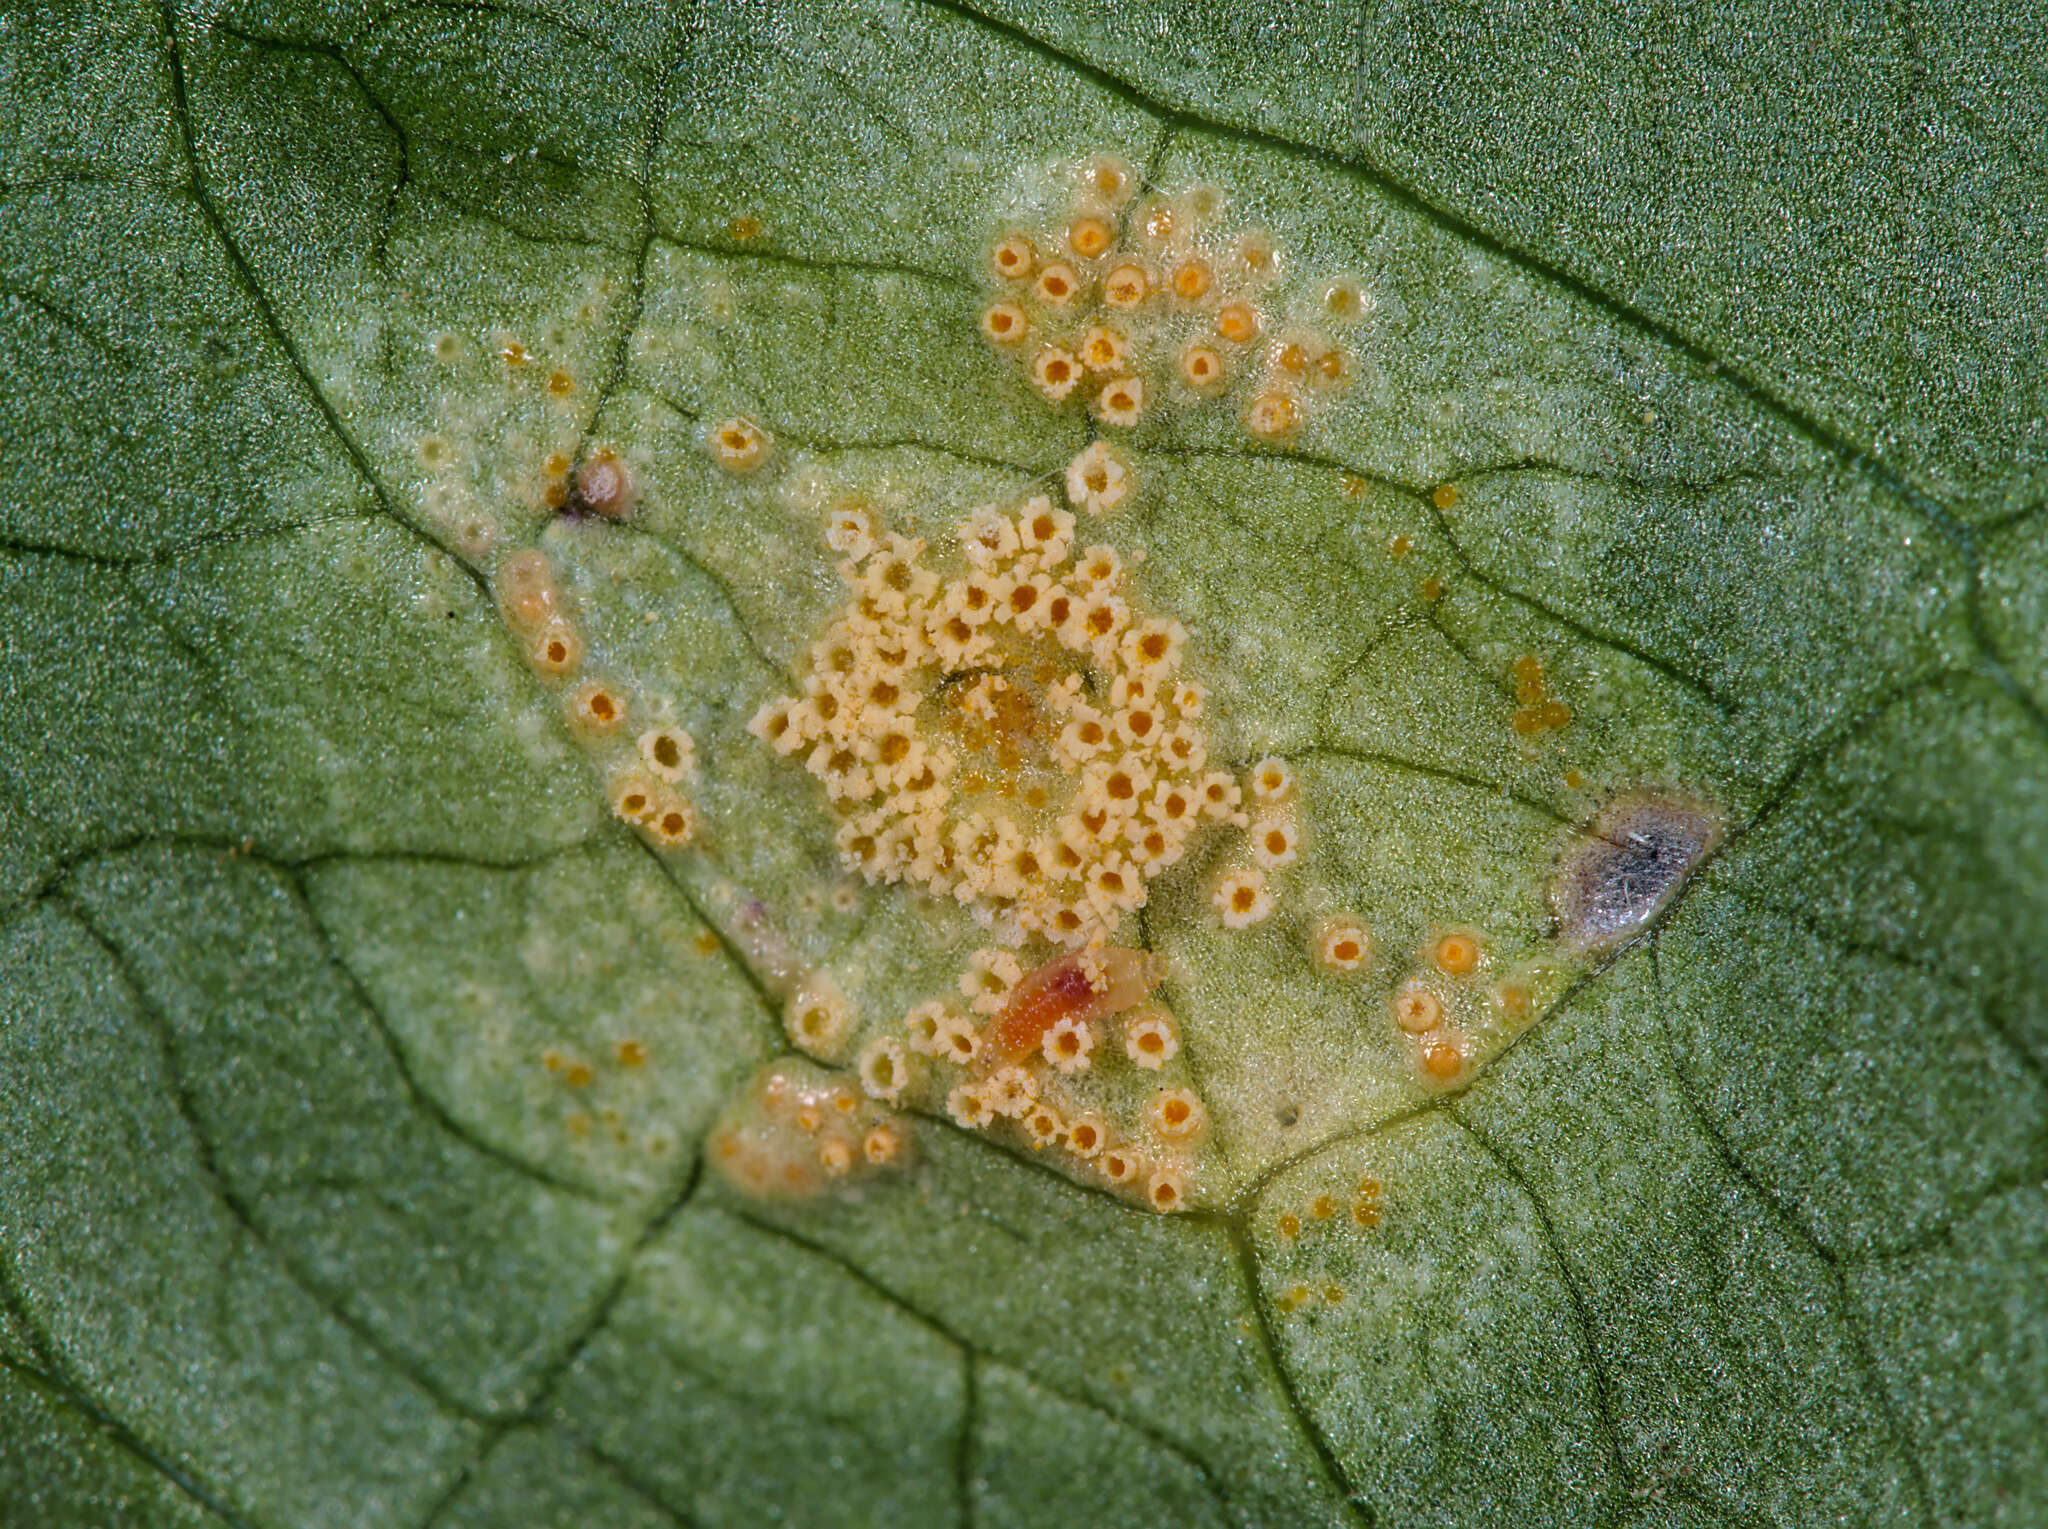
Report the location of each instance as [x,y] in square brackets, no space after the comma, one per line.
[1061,990]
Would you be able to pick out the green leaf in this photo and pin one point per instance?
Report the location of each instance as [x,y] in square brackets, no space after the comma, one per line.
[367,1085]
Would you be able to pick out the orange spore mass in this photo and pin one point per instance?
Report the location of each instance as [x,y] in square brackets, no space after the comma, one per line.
[1060,990]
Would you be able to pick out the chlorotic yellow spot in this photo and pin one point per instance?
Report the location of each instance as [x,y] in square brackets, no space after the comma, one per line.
[1289,1225]
[1548,717]
[631,1053]
[743,229]
[1444,495]
[795,1132]
[526,590]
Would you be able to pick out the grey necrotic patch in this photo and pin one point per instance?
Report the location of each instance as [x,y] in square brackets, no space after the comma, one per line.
[1632,860]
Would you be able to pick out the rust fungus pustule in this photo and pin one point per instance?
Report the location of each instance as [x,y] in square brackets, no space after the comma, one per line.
[1014,736]
[1182,274]
[797,1131]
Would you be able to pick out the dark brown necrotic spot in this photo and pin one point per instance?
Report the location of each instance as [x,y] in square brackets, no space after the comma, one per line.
[1633,859]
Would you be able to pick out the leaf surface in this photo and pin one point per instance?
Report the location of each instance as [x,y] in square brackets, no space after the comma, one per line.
[359,1068]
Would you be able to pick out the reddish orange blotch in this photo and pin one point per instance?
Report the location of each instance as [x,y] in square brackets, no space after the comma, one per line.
[1061,990]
